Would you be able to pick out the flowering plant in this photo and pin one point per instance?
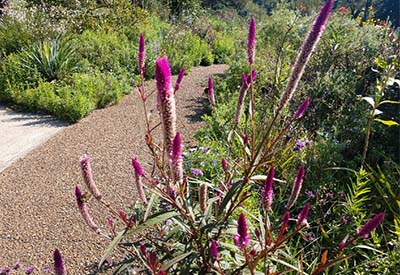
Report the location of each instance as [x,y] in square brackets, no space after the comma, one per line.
[192,226]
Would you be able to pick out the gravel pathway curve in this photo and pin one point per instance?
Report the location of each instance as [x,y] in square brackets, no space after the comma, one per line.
[38,211]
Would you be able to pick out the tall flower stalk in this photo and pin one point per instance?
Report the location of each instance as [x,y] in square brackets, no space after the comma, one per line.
[84,210]
[305,52]
[176,160]
[88,177]
[139,173]
[59,267]
[166,101]
[298,182]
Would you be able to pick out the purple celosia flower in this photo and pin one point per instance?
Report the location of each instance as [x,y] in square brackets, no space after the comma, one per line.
[29,270]
[302,108]
[59,268]
[196,172]
[139,172]
[176,159]
[242,238]
[251,41]
[246,139]
[267,190]
[304,55]
[343,243]
[141,55]
[179,79]
[214,249]
[203,197]
[166,101]
[310,194]
[224,164]
[299,145]
[143,249]
[211,96]
[88,177]
[298,181]
[246,82]
[371,225]
[302,218]
[84,210]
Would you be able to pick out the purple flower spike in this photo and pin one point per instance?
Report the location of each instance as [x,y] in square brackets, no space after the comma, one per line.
[196,172]
[302,108]
[251,77]
[214,249]
[371,225]
[251,41]
[302,218]
[141,55]
[179,79]
[166,102]
[139,172]
[304,55]
[59,268]
[88,177]
[242,239]
[176,160]
[224,164]
[267,192]
[211,96]
[84,210]
[298,182]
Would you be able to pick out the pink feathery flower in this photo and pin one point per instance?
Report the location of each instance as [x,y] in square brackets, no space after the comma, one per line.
[267,191]
[59,268]
[224,164]
[84,210]
[298,182]
[251,41]
[210,93]
[304,55]
[166,101]
[176,160]
[88,177]
[203,197]
[141,55]
[246,83]
[371,225]
[285,223]
[139,173]
[242,238]
[302,218]
[179,79]
[214,249]
[302,108]
[251,77]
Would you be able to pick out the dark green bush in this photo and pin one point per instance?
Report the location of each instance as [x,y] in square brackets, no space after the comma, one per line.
[223,48]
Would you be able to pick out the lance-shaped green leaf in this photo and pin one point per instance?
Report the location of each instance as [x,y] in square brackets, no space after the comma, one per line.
[155,219]
[176,260]
[232,192]
[370,100]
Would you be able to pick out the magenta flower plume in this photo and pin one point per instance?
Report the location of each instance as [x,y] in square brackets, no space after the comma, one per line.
[251,77]
[242,238]
[179,79]
[224,164]
[214,249]
[298,182]
[371,225]
[176,161]
[304,55]
[302,108]
[59,268]
[285,223]
[139,173]
[88,177]
[302,218]
[246,83]
[141,55]
[267,191]
[251,41]
[166,101]
[211,96]
[84,210]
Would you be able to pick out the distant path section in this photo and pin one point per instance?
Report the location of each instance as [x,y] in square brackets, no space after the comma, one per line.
[21,132]
[38,211]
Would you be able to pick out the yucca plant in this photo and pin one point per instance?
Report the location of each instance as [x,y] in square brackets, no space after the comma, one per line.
[193,226]
[53,59]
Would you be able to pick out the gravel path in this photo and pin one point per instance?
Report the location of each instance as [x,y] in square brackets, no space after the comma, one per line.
[38,212]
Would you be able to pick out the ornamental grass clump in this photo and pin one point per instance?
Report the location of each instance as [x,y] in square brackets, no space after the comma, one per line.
[187,223]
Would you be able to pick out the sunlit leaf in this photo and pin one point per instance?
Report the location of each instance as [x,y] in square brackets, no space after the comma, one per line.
[387,122]
[111,247]
[389,102]
[377,112]
[176,260]
[369,99]
[324,257]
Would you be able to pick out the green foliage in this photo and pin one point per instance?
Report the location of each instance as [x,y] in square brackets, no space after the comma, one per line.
[54,59]
[223,48]
[14,36]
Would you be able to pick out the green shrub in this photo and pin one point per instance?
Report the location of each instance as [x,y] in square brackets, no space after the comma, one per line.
[14,36]
[223,48]
[54,59]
